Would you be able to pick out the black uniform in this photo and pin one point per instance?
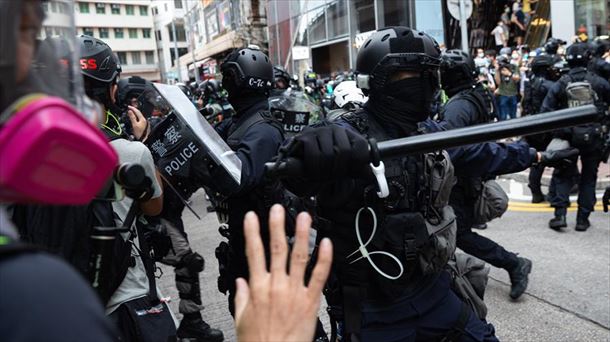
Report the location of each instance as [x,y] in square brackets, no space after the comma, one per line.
[255,137]
[587,139]
[472,105]
[535,91]
[380,299]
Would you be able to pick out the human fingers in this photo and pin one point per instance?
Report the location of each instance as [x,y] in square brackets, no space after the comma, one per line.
[277,241]
[321,270]
[298,257]
[136,112]
[241,298]
[255,251]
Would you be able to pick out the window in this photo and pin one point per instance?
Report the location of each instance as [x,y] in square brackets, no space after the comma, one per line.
[100,8]
[177,3]
[63,8]
[150,57]
[180,33]
[146,33]
[83,7]
[122,57]
[155,11]
[165,6]
[104,33]
[133,33]
[129,10]
[365,15]
[395,13]
[158,34]
[115,8]
[144,10]
[87,31]
[181,52]
[45,6]
[135,57]
[54,6]
[337,19]
[118,33]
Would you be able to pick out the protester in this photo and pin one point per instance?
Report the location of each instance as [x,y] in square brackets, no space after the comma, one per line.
[507,80]
[276,305]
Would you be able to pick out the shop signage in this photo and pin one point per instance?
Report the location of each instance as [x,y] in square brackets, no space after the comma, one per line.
[361,38]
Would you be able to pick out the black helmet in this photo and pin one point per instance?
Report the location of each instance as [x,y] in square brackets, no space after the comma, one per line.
[250,68]
[458,71]
[396,48]
[541,64]
[578,54]
[281,74]
[97,60]
[210,88]
[131,87]
[185,89]
[552,44]
[599,47]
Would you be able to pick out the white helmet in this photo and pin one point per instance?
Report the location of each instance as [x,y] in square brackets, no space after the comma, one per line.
[347,92]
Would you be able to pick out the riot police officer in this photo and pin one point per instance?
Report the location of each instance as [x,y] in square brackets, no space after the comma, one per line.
[535,90]
[255,137]
[403,292]
[470,104]
[598,64]
[281,80]
[578,87]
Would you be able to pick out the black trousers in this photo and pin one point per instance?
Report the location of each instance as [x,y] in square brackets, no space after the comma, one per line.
[473,243]
[564,179]
[534,178]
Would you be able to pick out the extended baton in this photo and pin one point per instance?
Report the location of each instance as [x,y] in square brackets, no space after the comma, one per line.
[540,123]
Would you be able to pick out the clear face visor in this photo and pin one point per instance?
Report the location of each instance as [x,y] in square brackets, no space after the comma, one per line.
[39,53]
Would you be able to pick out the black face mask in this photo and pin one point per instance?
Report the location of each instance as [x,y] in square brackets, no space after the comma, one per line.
[240,98]
[401,104]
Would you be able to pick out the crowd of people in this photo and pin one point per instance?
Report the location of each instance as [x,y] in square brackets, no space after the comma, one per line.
[97,170]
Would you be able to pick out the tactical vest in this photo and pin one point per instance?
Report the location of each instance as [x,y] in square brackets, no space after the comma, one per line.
[578,89]
[417,226]
[482,100]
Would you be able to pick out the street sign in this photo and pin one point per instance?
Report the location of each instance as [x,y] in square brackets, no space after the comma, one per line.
[454,8]
[300,52]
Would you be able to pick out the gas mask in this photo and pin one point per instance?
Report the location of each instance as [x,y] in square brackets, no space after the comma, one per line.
[52,152]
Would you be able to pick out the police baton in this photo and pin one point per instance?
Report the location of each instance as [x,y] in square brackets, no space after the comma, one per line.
[534,124]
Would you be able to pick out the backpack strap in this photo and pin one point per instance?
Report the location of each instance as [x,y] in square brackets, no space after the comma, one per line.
[238,130]
[149,265]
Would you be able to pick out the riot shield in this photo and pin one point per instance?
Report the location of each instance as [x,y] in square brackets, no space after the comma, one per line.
[183,144]
[294,111]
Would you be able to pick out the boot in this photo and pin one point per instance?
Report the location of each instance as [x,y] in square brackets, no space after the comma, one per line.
[194,329]
[558,222]
[538,197]
[582,224]
[479,226]
[519,277]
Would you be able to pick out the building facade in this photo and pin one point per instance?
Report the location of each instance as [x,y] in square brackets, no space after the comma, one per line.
[126,26]
[170,36]
[216,27]
[324,35]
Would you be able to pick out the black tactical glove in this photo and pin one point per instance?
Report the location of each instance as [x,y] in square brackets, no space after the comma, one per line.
[330,152]
[559,158]
[606,199]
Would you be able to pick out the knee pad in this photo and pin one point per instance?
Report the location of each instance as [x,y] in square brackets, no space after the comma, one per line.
[193,261]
